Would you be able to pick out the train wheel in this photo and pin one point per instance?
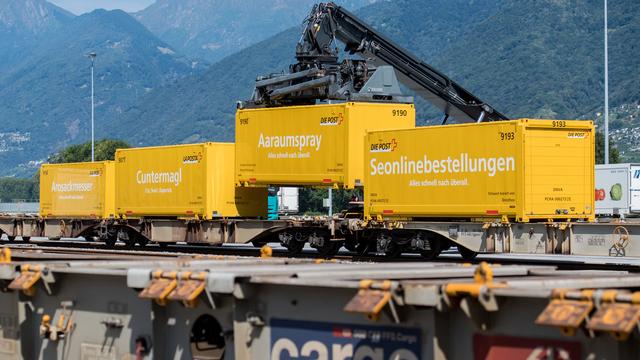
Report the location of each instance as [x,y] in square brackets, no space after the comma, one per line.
[110,241]
[142,241]
[11,238]
[350,245]
[435,248]
[26,239]
[127,237]
[294,247]
[329,248]
[387,245]
[393,250]
[293,241]
[351,242]
[363,247]
[466,253]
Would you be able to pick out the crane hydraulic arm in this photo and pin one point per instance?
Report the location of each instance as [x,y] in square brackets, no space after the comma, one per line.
[319,75]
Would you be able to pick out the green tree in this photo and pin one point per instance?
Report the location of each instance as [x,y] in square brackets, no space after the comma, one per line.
[311,200]
[12,189]
[614,154]
[104,150]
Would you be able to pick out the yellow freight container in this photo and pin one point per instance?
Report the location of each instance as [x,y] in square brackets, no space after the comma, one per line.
[193,180]
[522,169]
[77,190]
[312,145]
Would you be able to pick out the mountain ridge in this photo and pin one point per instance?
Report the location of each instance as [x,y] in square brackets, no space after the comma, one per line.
[213,29]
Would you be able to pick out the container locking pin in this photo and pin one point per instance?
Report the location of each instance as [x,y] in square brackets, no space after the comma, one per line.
[483,280]
[28,277]
[371,299]
[189,288]
[266,251]
[161,285]
[617,318]
[62,328]
[5,255]
[566,314]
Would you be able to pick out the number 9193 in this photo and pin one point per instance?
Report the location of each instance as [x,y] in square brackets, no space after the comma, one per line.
[559,123]
[507,135]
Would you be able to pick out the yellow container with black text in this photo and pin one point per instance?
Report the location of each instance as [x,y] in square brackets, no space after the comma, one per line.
[183,181]
[521,170]
[78,190]
[315,145]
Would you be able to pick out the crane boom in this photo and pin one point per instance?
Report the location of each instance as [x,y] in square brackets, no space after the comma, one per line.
[319,75]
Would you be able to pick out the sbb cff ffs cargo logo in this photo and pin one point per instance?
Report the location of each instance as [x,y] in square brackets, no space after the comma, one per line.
[292,339]
[384,146]
[333,120]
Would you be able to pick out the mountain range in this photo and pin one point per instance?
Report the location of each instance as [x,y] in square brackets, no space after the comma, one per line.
[213,29]
[173,72]
[527,58]
[45,93]
[21,21]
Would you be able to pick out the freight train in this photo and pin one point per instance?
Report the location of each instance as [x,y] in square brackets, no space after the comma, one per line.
[486,184]
[482,187]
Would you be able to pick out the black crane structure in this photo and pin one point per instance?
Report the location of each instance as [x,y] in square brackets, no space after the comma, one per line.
[372,75]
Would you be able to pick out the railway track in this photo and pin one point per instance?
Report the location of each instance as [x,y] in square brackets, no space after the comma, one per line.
[72,248]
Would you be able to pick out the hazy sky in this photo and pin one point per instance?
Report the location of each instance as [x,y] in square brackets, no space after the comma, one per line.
[82,6]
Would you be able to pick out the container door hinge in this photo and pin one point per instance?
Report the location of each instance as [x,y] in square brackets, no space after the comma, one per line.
[29,276]
[566,314]
[371,299]
[618,319]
